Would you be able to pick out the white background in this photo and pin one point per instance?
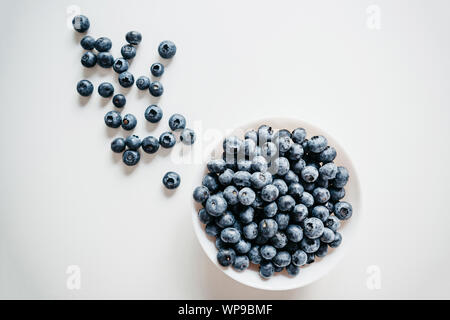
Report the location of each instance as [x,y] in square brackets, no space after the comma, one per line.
[67,200]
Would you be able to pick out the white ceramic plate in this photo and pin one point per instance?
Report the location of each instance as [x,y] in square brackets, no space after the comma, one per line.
[308,273]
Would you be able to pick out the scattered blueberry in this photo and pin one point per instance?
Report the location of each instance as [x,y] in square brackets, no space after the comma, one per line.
[268,252]
[85,88]
[118,145]
[167,49]
[282,259]
[230,235]
[133,37]
[105,89]
[133,142]
[171,180]
[153,113]
[120,65]
[105,60]
[298,135]
[88,59]
[113,119]
[167,140]
[143,83]
[80,23]
[187,136]
[157,69]
[266,269]
[156,88]
[103,44]
[119,100]
[128,52]
[126,79]
[337,240]
[131,157]
[129,122]
[177,121]
[87,43]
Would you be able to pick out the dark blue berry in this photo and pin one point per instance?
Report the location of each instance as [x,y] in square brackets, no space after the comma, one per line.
[133,37]
[171,180]
[201,193]
[88,59]
[119,100]
[120,65]
[177,121]
[150,144]
[105,60]
[129,122]
[153,113]
[128,52]
[343,210]
[157,69]
[85,88]
[113,119]
[216,205]
[187,136]
[118,145]
[80,23]
[131,157]
[317,144]
[126,79]
[167,49]
[87,43]
[143,83]
[226,257]
[156,88]
[204,216]
[103,44]
[313,228]
[133,142]
[167,140]
[105,89]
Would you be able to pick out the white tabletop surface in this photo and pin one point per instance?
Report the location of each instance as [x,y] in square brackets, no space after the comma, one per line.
[375,77]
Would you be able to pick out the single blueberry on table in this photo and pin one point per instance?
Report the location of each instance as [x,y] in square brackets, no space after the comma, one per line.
[268,227]
[309,245]
[242,179]
[343,210]
[231,194]
[317,144]
[105,60]
[188,136]
[150,144]
[320,212]
[327,155]
[337,194]
[157,69]
[282,220]
[177,121]
[226,257]
[201,193]
[309,173]
[131,157]
[328,171]
[230,235]
[143,83]
[167,49]
[266,269]
[120,65]
[216,165]
[226,177]
[171,180]
[128,52]
[294,233]
[167,140]
[85,88]
[126,79]
[298,135]
[156,89]
[242,247]
[103,44]
[211,182]
[129,122]
[282,259]
[80,23]
[299,213]
[204,217]
[153,113]
[212,229]
[133,37]
[87,43]
[216,205]
[281,186]
[337,240]
[279,240]
[269,193]
[246,216]
[341,178]
[133,142]
[307,199]
[241,263]
[119,100]
[285,203]
[260,179]
[313,228]
[292,270]
[246,196]
[327,236]
[118,145]
[271,210]
[268,252]
[113,119]
[105,89]
[250,231]
[259,164]
[332,223]
[88,59]
[321,195]
[299,258]
[225,220]
[254,255]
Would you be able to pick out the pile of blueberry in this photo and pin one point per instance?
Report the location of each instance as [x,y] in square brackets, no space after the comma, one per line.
[274,199]
[113,119]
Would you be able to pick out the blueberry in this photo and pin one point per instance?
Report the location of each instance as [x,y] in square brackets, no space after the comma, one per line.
[113,119]
[129,122]
[281,186]
[268,252]
[284,143]
[167,49]
[126,79]
[269,150]
[281,166]
[231,195]
[327,236]
[153,113]
[320,212]
[105,89]
[105,60]
[282,259]
[279,240]
[120,65]
[313,228]
[246,196]
[118,145]
[321,195]
[249,147]
[258,203]
[216,165]
[342,177]
[242,179]
[343,210]
[150,144]
[285,203]
[309,187]
[225,220]
[216,205]
[241,263]
[328,171]
[322,183]
[128,52]
[200,194]
[299,213]
[156,89]
[266,269]
[294,233]
[226,257]
[211,182]
[292,270]
[307,199]
[242,247]
[337,194]
[103,44]
[299,135]
[309,174]
[220,244]
[298,166]
[295,152]
[204,216]
[119,100]
[309,245]
[231,145]
[247,215]
[322,251]
[80,23]
[337,240]
[282,134]
[261,240]
[269,193]
[268,227]
[177,121]
[252,135]
[85,88]
[133,37]
[259,163]
[230,235]
[167,140]
[212,229]
[260,179]
[327,155]
[332,223]
[157,69]
[282,220]
[250,231]
[244,165]
[271,210]
[143,83]
[88,59]
[226,177]
[299,258]
[133,142]
[131,157]
[88,43]
[171,180]
[295,190]
[317,144]
[254,255]
[265,134]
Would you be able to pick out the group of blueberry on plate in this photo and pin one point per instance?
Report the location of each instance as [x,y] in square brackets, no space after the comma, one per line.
[131,144]
[274,199]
